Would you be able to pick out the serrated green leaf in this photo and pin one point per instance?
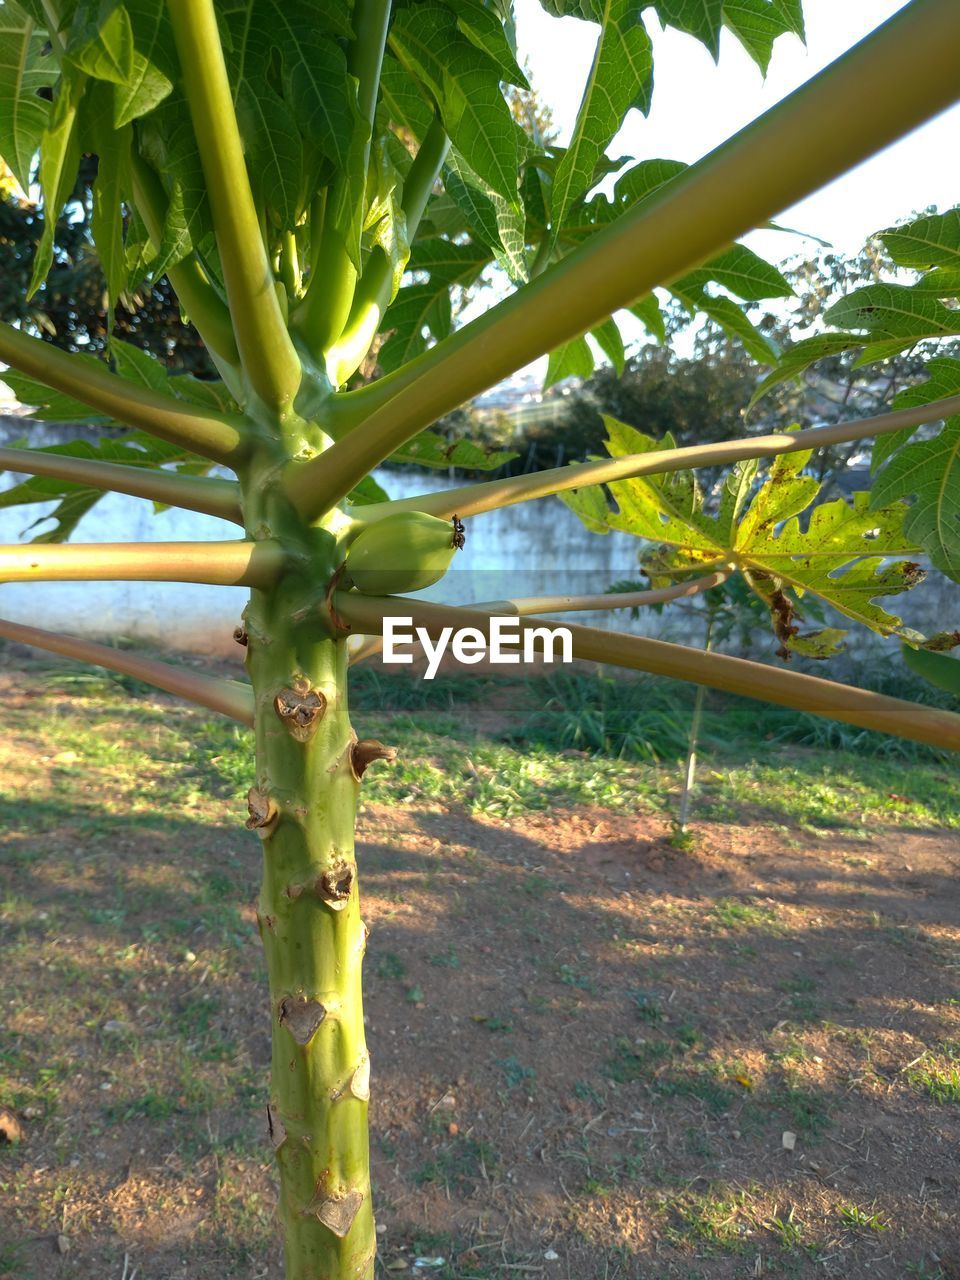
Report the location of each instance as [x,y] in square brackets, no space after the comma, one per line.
[647,310]
[888,311]
[621,77]
[573,359]
[699,18]
[403,99]
[465,86]
[798,358]
[840,555]
[483,28]
[51,406]
[416,309]
[732,320]
[59,162]
[75,500]
[757,24]
[497,222]
[608,337]
[741,271]
[154,63]
[428,449]
[101,41]
[929,471]
[932,241]
[111,185]
[27,67]
[791,14]
[943,379]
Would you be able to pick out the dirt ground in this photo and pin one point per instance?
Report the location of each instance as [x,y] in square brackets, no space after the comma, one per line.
[595,1057]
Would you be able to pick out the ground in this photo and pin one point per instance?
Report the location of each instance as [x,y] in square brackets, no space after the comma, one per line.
[600,1052]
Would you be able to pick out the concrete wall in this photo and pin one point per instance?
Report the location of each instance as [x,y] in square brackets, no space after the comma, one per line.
[530,549]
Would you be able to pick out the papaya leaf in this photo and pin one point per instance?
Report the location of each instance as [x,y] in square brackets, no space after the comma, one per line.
[101,41]
[929,470]
[154,66]
[464,83]
[894,311]
[483,28]
[702,19]
[943,380]
[572,359]
[932,241]
[109,189]
[621,77]
[798,358]
[430,450]
[937,668]
[840,554]
[648,312]
[59,162]
[608,338]
[75,500]
[27,68]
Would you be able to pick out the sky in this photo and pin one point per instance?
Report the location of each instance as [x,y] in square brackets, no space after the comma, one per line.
[698,104]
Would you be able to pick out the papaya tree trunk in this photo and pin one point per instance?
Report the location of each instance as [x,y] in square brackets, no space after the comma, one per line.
[303,806]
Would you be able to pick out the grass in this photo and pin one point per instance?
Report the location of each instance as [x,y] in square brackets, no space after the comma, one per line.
[125,896]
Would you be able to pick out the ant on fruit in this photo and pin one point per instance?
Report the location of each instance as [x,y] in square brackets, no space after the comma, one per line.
[459,533]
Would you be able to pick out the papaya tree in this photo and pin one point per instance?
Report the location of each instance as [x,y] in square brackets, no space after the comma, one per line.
[316,181]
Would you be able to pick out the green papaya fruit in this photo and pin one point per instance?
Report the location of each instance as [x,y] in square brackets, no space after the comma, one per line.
[403,552]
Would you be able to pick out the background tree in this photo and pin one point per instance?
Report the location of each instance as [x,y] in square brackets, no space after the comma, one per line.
[259,156]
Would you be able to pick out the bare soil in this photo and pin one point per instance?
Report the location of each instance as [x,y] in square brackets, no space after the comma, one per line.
[595,1056]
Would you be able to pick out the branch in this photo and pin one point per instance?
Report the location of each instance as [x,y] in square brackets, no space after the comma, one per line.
[192,493]
[376,285]
[220,564]
[523,606]
[197,295]
[228,697]
[203,431]
[810,694]
[325,308]
[490,495]
[906,71]
[268,356]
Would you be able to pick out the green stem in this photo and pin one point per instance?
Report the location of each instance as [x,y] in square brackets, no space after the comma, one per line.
[211,497]
[693,739]
[221,564]
[203,431]
[304,807]
[491,495]
[906,71]
[715,670]
[330,292]
[228,697]
[373,294]
[197,295]
[523,606]
[269,359]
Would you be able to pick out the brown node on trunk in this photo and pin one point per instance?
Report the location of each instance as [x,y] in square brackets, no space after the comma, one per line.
[240,635]
[301,1017]
[278,1134]
[338,1214]
[360,1080]
[365,752]
[335,885]
[300,708]
[263,812]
